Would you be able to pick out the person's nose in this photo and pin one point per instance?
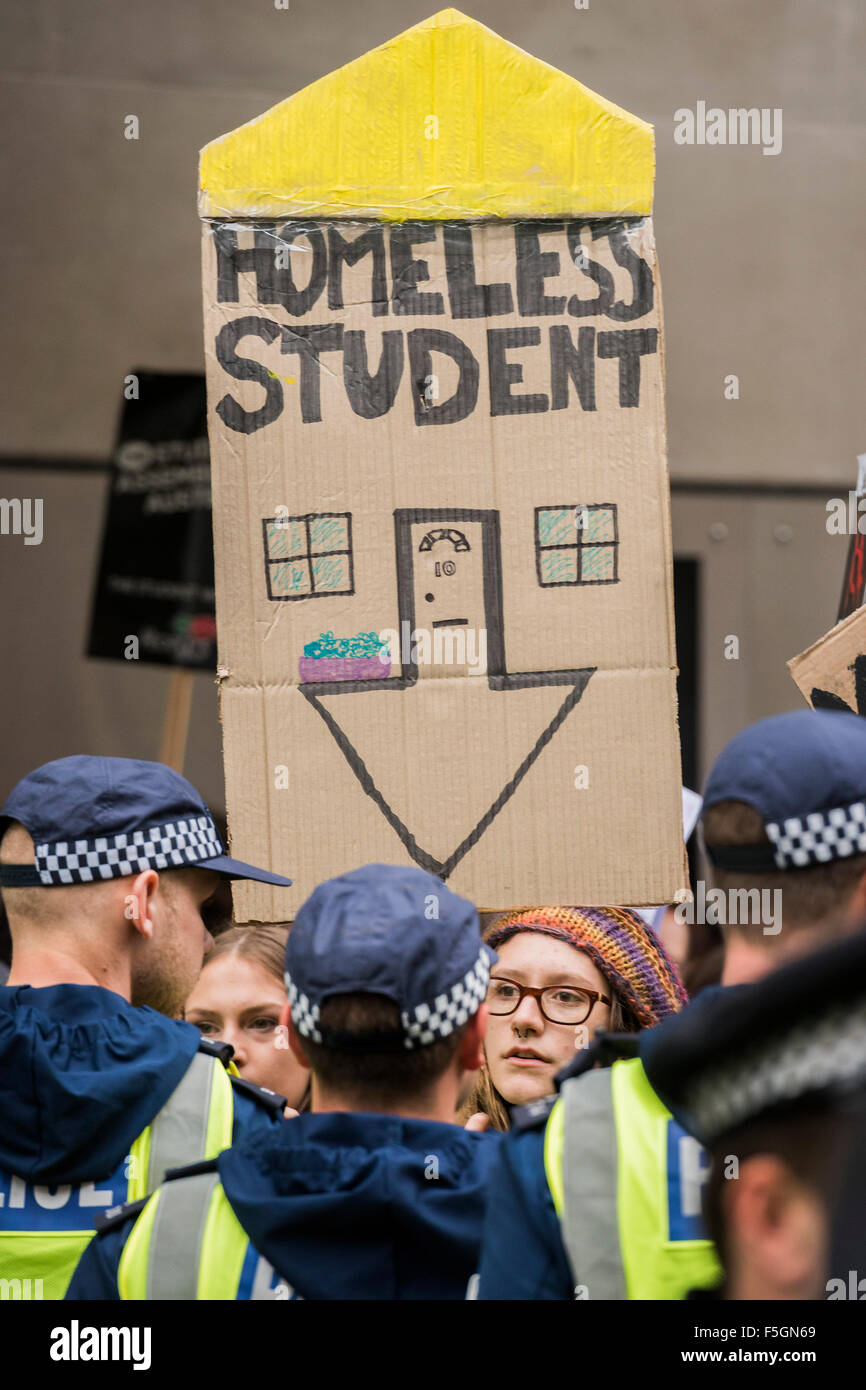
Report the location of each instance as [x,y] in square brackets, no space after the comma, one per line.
[235,1036]
[208,943]
[527,1017]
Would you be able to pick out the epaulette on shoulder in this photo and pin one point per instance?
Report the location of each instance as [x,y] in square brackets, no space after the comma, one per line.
[271,1099]
[534,1115]
[116,1216]
[604,1050]
[224,1051]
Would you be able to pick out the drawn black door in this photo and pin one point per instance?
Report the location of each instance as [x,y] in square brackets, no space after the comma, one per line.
[450,592]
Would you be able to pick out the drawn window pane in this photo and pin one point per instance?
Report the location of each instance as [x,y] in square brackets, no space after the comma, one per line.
[290,577]
[599,525]
[328,533]
[331,574]
[559,566]
[308,556]
[597,564]
[577,544]
[286,538]
[556,526]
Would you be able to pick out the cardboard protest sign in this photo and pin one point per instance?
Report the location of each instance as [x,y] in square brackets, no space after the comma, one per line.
[441,507]
[831,674]
[155,584]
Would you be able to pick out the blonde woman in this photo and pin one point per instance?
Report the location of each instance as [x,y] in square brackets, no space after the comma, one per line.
[237,999]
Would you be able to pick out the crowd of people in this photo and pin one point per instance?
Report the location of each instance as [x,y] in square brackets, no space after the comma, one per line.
[391,1098]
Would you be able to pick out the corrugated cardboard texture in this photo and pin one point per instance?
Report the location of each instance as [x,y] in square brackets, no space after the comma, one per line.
[831,674]
[394,447]
[446,120]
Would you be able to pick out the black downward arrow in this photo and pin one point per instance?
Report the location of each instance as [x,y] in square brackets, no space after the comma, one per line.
[825,699]
[579,680]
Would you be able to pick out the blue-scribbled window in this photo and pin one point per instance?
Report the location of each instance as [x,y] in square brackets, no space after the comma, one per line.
[308,556]
[576,545]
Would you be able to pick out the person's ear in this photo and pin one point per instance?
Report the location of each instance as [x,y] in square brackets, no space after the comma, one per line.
[138,901]
[295,1044]
[775,1228]
[472,1043]
[855,910]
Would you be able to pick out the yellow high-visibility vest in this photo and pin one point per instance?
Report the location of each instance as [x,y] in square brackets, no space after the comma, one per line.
[44,1231]
[626,1184]
[188,1244]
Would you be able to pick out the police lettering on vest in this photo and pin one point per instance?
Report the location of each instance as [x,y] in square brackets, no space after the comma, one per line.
[44,1230]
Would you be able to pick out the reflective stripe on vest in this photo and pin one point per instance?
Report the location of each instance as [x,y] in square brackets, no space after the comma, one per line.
[589,1179]
[188,1244]
[42,1237]
[625,1181]
[195,1123]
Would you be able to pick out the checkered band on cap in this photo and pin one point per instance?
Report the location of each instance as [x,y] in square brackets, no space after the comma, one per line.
[820,836]
[427,1023]
[305,1015]
[171,846]
[811,1057]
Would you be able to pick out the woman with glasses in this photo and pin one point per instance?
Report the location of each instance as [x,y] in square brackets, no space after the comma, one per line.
[562,974]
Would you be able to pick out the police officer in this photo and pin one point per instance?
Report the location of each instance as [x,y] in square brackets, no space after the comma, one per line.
[771,1076]
[105,864]
[597,1192]
[376,1193]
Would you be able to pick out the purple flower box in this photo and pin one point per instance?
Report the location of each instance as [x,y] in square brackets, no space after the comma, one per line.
[343,668]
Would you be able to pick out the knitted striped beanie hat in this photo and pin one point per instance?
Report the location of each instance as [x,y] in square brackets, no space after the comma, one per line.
[619,943]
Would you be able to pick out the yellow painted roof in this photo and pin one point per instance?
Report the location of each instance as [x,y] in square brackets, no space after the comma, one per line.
[445,120]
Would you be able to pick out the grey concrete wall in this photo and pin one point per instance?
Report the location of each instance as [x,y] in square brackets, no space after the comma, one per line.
[761,260]
[771,577]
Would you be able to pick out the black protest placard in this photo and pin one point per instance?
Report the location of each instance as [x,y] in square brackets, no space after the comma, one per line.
[154,595]
[855,578]
[854,583]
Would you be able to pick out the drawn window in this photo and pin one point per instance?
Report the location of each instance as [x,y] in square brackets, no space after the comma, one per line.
[576,545]
[308,556]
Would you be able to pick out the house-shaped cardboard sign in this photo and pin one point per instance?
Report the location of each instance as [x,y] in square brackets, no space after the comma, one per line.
[441,506]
